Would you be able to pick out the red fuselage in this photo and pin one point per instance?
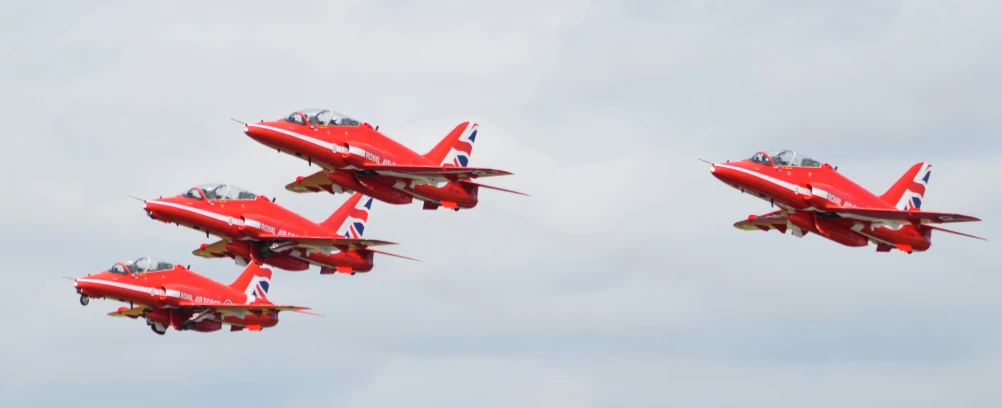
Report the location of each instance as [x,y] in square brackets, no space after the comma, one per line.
[163,291]
[241,222]
[344,150]
[810,194]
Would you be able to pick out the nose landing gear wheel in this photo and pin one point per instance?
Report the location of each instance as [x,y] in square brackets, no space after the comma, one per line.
[154,328]
[84,300]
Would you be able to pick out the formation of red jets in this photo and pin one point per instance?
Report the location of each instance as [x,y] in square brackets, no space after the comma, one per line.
[355,158]
[254,231]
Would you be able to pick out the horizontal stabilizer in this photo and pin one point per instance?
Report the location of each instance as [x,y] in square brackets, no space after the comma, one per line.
[933,227]
[494,188]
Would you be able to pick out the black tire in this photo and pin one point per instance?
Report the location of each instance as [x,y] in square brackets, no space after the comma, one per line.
[84,300]
[154,328]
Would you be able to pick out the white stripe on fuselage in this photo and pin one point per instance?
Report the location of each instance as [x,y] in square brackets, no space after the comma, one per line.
[354,150]
[137,288]
[325,145]
[789,186]
[204,213]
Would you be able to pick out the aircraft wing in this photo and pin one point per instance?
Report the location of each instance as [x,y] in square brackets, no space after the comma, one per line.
[214,250]
[128,312]
[328,242]
[435,172]
[314,183]
[318,182]
[922,217]
[251,308]
[775,220]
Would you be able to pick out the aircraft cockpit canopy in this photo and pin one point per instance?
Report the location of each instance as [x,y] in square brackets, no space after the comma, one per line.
[219,192]
[321,117]
[784,158]
[140,265]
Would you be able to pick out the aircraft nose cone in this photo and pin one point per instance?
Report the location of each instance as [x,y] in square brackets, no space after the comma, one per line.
[717,171]
[84,285]
[157,211]
[723,173]
[257,133]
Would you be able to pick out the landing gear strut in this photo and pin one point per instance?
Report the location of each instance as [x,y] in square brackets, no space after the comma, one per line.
[84,300]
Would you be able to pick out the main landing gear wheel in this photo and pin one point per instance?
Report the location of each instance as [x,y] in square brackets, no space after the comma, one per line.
[154,328]
[84,300]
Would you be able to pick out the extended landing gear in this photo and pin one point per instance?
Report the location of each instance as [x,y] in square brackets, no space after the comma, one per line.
[84,300]
[455,209]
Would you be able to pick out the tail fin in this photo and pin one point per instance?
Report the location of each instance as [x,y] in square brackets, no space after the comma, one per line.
[349,219]
[456,148]
[253,282]
[909,191]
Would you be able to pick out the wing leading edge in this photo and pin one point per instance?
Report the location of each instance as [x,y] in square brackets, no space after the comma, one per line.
[914,216]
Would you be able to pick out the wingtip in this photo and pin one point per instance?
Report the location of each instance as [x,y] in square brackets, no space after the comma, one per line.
[395,255]
[307,310]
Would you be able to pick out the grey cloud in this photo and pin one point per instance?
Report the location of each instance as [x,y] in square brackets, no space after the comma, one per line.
[619,282]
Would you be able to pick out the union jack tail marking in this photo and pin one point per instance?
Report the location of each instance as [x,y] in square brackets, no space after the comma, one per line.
[909,191]
[456,148]
[349,219]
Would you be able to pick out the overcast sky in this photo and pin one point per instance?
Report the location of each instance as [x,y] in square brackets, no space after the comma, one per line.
[619,283]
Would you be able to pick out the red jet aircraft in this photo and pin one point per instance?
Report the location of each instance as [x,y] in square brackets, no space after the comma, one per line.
[173,296]
[256,229]
[814,197]
[357,157]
